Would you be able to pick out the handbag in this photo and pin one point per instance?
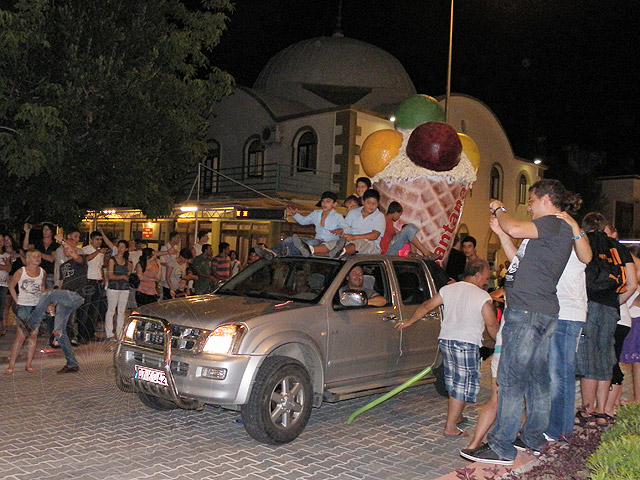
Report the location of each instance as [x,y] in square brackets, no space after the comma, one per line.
[134,281]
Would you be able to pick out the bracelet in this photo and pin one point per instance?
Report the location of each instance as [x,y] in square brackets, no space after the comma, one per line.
[579,236]
[499,208]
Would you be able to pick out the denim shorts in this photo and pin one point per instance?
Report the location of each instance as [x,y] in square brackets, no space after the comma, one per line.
[461,361]
[596,356]
[24,311]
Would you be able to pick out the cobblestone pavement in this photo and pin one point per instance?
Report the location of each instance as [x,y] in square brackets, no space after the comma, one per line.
[81,426]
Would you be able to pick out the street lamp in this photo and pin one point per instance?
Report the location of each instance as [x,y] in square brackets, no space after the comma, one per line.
[448,95]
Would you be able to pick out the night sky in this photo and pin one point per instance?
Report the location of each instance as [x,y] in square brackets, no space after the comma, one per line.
[556,73]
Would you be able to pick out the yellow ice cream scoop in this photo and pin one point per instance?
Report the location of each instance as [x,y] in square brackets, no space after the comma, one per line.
[378,149]
[470,149]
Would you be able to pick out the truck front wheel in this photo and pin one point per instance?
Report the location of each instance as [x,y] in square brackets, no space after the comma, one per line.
[155,402]
[280,402]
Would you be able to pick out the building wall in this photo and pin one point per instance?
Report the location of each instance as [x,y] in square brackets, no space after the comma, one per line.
[624,189]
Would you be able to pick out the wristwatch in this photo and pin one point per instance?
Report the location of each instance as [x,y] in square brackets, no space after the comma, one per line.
[499,208]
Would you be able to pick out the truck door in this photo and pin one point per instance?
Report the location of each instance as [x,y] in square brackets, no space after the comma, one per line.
[362,341]
[418,343]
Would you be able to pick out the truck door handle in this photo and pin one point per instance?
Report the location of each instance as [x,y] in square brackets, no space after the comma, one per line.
[389,318]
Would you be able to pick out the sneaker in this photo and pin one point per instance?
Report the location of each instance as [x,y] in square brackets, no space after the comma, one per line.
[55,344]
[68,369]
[265,252]
[484,454]
[522,447]
[302,246]
[338,249]
[74,342]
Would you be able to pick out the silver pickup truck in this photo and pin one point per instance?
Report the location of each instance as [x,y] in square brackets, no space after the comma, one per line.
[281,337]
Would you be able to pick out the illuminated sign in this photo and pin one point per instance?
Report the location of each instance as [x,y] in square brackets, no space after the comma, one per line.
[147,232]
[260,214]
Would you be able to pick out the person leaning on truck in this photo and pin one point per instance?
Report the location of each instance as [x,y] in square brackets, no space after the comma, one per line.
[468,309]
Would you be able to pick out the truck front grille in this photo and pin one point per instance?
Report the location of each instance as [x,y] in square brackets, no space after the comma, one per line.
[149,333]
[179,369]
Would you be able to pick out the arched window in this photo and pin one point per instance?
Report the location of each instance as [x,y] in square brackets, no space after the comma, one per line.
[211,162]
[523,190]
[306,152]
[495,183]
[254,158]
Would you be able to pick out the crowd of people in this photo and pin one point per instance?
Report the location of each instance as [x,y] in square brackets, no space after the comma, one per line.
[73,290]
[569,292]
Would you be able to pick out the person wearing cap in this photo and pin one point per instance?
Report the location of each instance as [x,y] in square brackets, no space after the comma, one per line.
[329,225]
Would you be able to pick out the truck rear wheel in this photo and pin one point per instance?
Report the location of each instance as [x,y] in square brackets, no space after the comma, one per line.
[280,402]
[439,384]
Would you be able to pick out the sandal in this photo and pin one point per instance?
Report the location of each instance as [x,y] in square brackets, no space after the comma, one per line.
[8,371]
[607,419]
[585,420]
[30,369]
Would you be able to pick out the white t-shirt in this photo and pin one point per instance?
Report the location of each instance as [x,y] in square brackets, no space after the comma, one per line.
[5,259]
[94,266]
[165,260]
[627,312]
[134,257]
[359,225]
[463,320]
[572,291]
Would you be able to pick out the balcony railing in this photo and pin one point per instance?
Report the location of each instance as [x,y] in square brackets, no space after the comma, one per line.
[271,178]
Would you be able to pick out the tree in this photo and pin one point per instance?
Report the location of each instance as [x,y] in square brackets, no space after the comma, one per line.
[104,102]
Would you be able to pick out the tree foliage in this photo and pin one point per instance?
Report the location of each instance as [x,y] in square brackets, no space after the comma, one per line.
[104,102]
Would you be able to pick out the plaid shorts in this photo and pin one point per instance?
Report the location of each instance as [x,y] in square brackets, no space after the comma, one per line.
[461,361]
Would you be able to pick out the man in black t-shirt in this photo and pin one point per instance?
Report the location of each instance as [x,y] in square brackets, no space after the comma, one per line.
[530,319]
[596,357]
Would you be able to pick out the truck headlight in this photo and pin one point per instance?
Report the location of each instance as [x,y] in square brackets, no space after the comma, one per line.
[223,339]
[131,329]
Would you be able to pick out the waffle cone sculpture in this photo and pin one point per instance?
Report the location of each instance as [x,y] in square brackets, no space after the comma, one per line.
[425,169]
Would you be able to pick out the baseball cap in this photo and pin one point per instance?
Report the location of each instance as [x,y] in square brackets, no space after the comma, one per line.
[327,194]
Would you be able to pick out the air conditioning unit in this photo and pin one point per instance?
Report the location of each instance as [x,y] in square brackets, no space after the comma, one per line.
[272,134]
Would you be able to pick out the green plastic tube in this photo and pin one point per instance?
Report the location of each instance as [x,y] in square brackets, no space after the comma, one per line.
[390,394]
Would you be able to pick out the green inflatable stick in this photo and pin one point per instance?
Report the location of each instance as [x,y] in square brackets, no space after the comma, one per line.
[390,394]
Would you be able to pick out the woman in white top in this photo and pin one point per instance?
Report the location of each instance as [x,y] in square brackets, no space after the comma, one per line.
[31,283]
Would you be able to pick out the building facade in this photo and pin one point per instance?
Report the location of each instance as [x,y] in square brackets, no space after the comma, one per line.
[298,131]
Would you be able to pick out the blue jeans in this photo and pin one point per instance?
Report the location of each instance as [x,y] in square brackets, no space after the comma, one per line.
[523,374]
[562,357]
[66,303]
[403,236]
[286,247]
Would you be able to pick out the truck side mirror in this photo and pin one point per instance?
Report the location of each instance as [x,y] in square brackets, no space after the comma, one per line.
[353,299]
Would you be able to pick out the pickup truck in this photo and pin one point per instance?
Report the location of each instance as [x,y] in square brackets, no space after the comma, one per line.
[281,337]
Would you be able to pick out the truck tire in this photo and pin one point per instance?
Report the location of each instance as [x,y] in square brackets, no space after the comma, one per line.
[122,386]
[280,402]
[155,402]
[439,384]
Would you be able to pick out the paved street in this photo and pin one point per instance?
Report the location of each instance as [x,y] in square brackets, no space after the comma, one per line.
[81,426]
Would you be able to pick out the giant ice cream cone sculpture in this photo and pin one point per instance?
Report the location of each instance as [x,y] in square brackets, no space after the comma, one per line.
[422,165]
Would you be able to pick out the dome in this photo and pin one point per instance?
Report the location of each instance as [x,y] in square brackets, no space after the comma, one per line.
[328,71]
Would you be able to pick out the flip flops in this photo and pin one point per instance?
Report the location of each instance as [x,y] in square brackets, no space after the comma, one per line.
[461,433]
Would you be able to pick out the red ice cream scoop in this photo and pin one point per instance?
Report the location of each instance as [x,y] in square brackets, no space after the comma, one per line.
[435,146]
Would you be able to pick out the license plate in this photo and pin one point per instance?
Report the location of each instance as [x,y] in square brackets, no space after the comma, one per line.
[151,375]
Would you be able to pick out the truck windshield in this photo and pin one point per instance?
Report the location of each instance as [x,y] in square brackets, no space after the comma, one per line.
[287,278]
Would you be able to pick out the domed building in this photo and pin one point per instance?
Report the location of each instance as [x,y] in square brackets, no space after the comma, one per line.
[298,131]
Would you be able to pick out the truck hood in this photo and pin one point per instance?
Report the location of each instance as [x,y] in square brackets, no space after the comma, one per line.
[209,311]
